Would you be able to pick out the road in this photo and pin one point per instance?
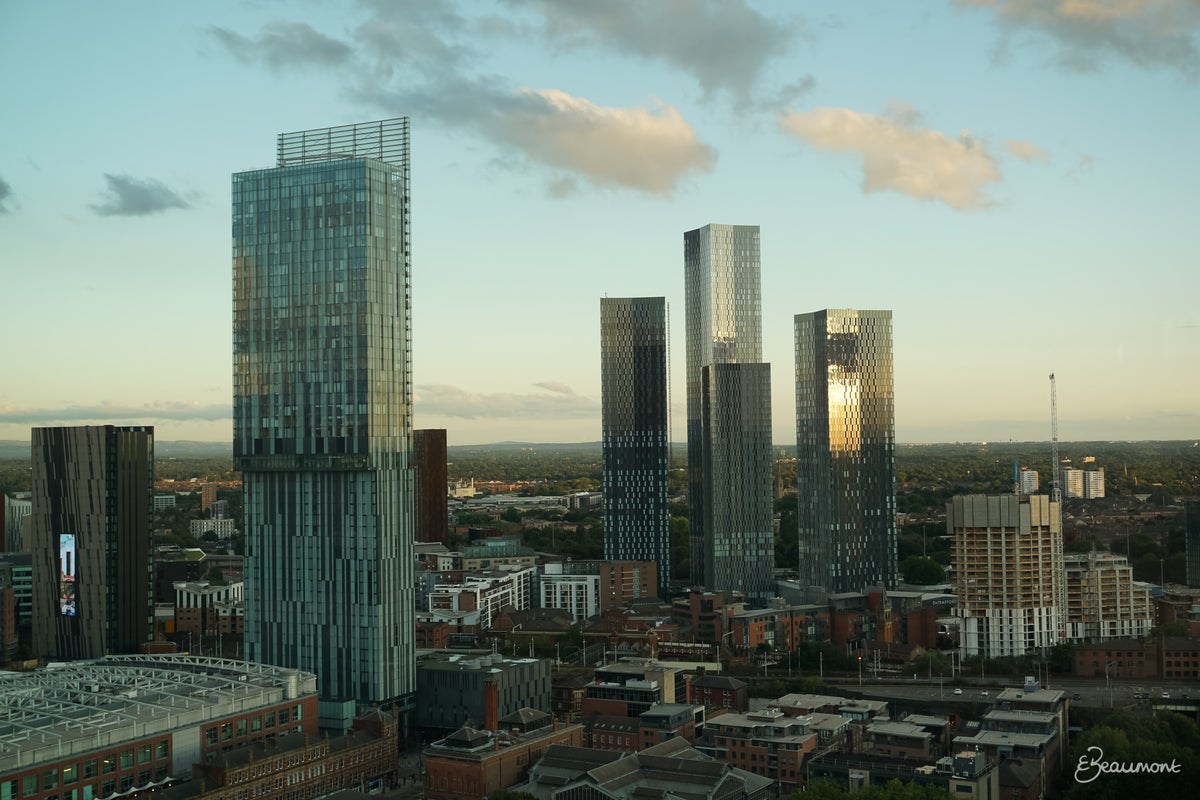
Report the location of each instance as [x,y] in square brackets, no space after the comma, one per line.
[1088,693]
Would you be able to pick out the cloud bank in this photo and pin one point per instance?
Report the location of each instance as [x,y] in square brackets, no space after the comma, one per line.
[900,157]
[724,44]
[283,44]
[1148,33]
[450,401]
[115,412]
[413,58]
[133,197]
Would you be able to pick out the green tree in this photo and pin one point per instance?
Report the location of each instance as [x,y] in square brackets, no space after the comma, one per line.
[922,571]
[215,576]
[1062,658]
[511,794]
[1174,628]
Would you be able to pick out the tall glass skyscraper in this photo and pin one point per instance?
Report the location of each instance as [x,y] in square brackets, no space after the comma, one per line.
[729,413]
[845,449]
[633,381]
[322,410]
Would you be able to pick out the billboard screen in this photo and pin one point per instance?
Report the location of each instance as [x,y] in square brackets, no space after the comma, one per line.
[66,566]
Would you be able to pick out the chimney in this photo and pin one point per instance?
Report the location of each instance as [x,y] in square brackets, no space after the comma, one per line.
[491,705]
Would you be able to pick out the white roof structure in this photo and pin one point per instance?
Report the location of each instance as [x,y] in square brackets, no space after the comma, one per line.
[84,706]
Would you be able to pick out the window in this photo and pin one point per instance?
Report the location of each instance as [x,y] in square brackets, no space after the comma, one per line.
[143,777]
[8,789]
[29,785]
[89,769]
[255,724]
[126,782]
[109,787]
[70,773]
[160,772]
[226,731]
[241,727]
[145,754]
[162,749]
[49,780]
[127,758]
[284,716]
[270,719]
[296,712]
[210,735]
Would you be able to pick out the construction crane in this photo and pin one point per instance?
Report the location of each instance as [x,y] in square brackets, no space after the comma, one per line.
[1055,484]
[1056,505]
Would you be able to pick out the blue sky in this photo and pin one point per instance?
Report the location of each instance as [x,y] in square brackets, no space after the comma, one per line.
[1015,179]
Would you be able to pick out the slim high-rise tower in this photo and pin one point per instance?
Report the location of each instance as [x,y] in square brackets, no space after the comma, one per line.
[633,380]
[93,491]
[729,413]
[845,449]
[322,410]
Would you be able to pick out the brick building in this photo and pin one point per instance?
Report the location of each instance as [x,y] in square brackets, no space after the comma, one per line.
[470,764]
[719,690]
[300,767]
[152,719]
[1170,657]
[632,734]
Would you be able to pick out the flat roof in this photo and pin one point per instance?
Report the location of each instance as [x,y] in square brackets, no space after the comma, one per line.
[78,707]
[1003,738]
[464,662]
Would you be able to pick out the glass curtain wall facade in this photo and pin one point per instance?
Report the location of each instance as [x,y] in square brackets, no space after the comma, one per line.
[723,320]
[739,551]
[845,449]
[322,409]
[92,563]
[634,400]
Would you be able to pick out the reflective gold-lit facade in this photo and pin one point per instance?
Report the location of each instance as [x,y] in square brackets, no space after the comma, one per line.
[845,449]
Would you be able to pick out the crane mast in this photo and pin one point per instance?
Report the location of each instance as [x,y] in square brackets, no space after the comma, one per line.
[1055,484]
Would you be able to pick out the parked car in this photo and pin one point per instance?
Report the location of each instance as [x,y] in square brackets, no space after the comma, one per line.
[958,691]
[984,693]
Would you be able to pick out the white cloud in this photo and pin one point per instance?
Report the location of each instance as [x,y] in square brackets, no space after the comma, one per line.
[1144,32]
[900,157]
[1026,151]
[650,150]
[638,148]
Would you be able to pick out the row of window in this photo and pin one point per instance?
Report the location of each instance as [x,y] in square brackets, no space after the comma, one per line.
[227,730]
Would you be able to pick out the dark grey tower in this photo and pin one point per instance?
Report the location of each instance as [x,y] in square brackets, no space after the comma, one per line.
[93,491]
[633,379]
[322,410]
[729,479]
[845,449]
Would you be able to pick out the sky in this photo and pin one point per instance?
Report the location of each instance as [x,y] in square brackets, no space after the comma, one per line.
[1015,179]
